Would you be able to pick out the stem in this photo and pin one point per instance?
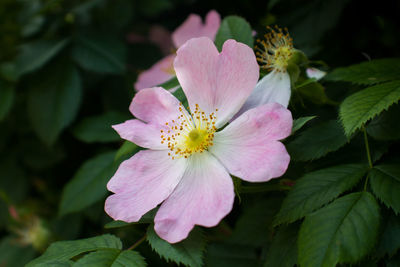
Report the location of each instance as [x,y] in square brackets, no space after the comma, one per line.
[367,148]
[366,182]
[140,241]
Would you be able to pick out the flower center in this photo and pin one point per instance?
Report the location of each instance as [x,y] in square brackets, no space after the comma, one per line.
[276,50]
[189,133]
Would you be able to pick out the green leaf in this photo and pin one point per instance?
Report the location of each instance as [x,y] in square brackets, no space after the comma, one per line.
[343,231]
[385,126]
[300,122]
[180,95]
[8,71]
[65,250]
[54,102]
[188,252]
[36,54]
[129,259]
[128,148]
[98,53]
[315,93]
[88,184]
[147,218]
[389,242]
[57,264]
[171,83]
[317,141]
[13,254]
[254,225]
[317,188]
[362,106]
[111,258]
[231,255]
[234,27]
[385,183]
[368,73]
[98,128]
[7,95]
[283,250]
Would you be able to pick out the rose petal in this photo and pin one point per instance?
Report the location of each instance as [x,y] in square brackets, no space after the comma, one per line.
[141,183]
[159,73]
[216,81]
[248,148]
[204,196]
[140,133]
[193,27]
[155,105]
[162,37]
[213,21]
[273,87]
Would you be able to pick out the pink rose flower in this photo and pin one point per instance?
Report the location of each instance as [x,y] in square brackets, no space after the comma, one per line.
[192,27]
[189,160]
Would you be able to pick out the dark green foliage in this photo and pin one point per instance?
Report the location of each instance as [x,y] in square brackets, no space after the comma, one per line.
[283,251]
[7,95]
[318,188]
[385,183]
[230,255]
[35,55]
[385,126]
[99,53]
[368,73]
[389,242]
[300,122]
[89,183]
[63,251]
[111,258]
[343,231]
[54,101]
[362,106]
[317,141]
[98,128]
[188,252]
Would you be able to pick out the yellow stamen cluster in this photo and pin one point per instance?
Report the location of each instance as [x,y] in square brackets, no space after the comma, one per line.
[275,51]
[189,134]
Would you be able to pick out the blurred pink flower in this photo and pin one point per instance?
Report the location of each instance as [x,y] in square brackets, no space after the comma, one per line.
[157,35]
[192,27]
[188,161]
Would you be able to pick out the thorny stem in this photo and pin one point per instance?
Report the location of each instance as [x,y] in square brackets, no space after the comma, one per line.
[140,241]
[368,156]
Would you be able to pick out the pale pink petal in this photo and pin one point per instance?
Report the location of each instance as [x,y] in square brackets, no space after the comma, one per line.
[141,183]
[213,21]
[193,27]
[162,37]
[315,73]
[155,105]
[159,73]
[216,81]
[273,87]
[204,196]
[248,147]
[140,133]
